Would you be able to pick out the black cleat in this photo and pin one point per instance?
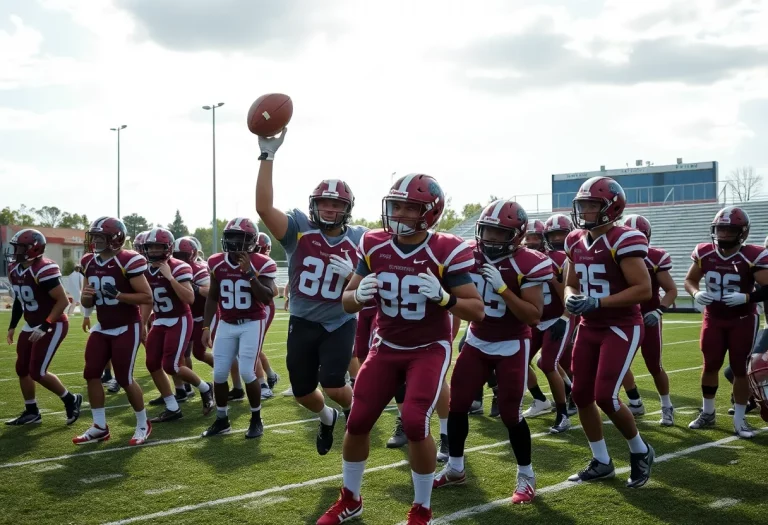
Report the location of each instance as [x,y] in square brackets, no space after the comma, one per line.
[641,465]
[236,394]
[167,415]
[219,426]
[73,409]
[442,449]
[106,377]
[494,407]
[25,418]
[273,380]
[347,411]
[157,402]
[398,439]
[256,427]
[207,400]
[595,471]
[181,395]
[324,439]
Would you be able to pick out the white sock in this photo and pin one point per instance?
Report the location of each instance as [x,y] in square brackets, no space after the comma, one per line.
[637,445]
[738,414]
[422,489]
[256,409]
[456,464]
[141,418]
[665,401]
[170,403]
[600,451]
[709,406]
[566,380]
[444,426]
[32,401]
[326,415]
[352,472]
[203,387]
[99,417]
[525,470]
[65,394]
[221,412]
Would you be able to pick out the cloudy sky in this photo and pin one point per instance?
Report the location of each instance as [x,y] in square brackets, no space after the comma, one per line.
[490,97]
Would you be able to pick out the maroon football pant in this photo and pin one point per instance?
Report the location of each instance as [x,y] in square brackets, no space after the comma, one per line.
[734,336]
[651,349]
[364,334]
[601,358]
[551,351]
[474,367]
[33,359]
[384,370]
[166,345]
[121,349]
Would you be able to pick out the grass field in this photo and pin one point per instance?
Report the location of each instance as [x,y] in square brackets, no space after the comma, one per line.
[177,477]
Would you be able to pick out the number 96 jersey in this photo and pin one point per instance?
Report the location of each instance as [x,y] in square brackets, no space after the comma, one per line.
[598,268]
[235,299]
[729,274]
[166,304]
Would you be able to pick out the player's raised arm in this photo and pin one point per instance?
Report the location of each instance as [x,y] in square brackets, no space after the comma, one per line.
[276,220]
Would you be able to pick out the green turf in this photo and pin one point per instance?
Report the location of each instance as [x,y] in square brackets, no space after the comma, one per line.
[191,472]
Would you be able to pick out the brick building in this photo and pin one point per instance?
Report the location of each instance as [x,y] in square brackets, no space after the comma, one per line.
[63,245]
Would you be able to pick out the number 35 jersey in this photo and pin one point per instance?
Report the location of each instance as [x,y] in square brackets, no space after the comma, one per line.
[166,304]
[597,265]
[118,271]
[235,298]
[315,288]
[406,318]
[734,273]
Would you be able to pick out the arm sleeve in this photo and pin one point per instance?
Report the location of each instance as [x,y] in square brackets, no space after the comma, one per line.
[362,268]
[50,283]
[758,296]
[291,236]
[455,280]
[16,314]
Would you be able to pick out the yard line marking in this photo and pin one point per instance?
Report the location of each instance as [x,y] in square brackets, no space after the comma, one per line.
[47,468]
[259,503]
[154,492]
[723,503]
[99,479]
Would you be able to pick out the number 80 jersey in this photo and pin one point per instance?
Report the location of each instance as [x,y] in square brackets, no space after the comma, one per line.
[235,298]
[597,265]
[734,273]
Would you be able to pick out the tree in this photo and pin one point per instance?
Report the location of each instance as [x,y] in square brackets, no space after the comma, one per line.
[177,227]
[472,209]
[135,224]
[745,183]
[371,225]
[205,236]
[50,216]
[74,221]
[21,217]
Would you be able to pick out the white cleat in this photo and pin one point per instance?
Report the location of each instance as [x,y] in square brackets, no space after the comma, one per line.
[667,417]
[288,392]
[744,431]
[637,410]
[537,408]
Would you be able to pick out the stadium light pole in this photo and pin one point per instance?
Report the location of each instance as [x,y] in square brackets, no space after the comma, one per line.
[212,109]
[118,128]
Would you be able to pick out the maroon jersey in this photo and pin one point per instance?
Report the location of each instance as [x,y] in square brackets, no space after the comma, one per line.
[406,318]
[597,265]
[657,261]
[118,270]
[734,273]
[522,269]
[235,299]
[200,277]
[166,304]
[553,305]
[26,284]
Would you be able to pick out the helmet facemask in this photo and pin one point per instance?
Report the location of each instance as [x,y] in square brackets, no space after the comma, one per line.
[239,242]
[496,241]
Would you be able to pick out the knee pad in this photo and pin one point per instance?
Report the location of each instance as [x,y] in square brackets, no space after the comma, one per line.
[220,372]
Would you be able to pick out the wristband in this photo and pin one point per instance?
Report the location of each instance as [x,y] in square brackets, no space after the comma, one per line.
[662,309]
[250,274]
[444,299]
[503,288]
[450,303]
[206,328]
[45,326]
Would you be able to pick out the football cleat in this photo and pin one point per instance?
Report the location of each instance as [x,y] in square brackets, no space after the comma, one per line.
[476,409]
[595,471]
[288,392]
[494,407]
[255,427]
[167,416]
[667,417]
[113,387]
[106,377]
[442,449]
[640,468]
[449,476]
[181,395]
[744,431]
[637,410]
[704,420]
[266,392]
[324,440]
[562,424]
[219,426]
[398,439]
[157,402]
[92,435]
[25,418]
[525,490]
[273,380]
[347,412]
[419,515]
[73,410]
[537,408]
[572,408]
[345,508]
[236,394]
[141,435]
[207,400]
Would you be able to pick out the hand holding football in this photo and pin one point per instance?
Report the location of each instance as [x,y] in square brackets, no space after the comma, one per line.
[269,114]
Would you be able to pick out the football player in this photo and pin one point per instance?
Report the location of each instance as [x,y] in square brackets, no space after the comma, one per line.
[168,339]
[241,288]
[40,297]
[321,249]
[606,280]
[115,283]
[659,263]
[417,276]
[757,374]
[730,269]
[509,279]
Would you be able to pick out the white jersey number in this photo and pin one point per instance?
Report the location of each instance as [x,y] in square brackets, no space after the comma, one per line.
[235,294]
[309,280]
[162,302]
[27,297]
[717,284]
[494,303]
[97,285]
[398,299]
[590,282]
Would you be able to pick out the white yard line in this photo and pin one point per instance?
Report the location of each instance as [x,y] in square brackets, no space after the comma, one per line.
[164,490]
[99,479]
[723,503]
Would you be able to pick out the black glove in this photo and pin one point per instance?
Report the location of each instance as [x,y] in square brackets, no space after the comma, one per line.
[557,330]
[195,288]
[109,290]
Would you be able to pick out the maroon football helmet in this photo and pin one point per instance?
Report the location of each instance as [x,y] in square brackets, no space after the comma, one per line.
[264,244]
[607,193]
[415,188]
[336,190]
[26,245]
[240,235]
[138,242]
[110,231]
[557,223]
[186,249]
[534,235]
[158,237]
[757,375]
[639,223]
[507,216]
[734,221]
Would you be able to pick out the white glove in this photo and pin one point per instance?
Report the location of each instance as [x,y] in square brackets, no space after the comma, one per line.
[367,288]
[581,304]
[39,332]
[431,288]
[704,298]
[270,145]
[343,267]
[735,298]
[652,318]
[493,276]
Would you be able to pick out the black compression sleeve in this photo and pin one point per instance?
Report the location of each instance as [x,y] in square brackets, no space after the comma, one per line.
[758,296]
[16,314]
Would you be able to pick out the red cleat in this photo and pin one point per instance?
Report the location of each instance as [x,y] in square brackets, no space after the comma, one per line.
[419,515]
[345,508]
[525,490]
[92,435]
[141,435]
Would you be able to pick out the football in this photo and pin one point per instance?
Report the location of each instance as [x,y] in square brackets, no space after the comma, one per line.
[269,114]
